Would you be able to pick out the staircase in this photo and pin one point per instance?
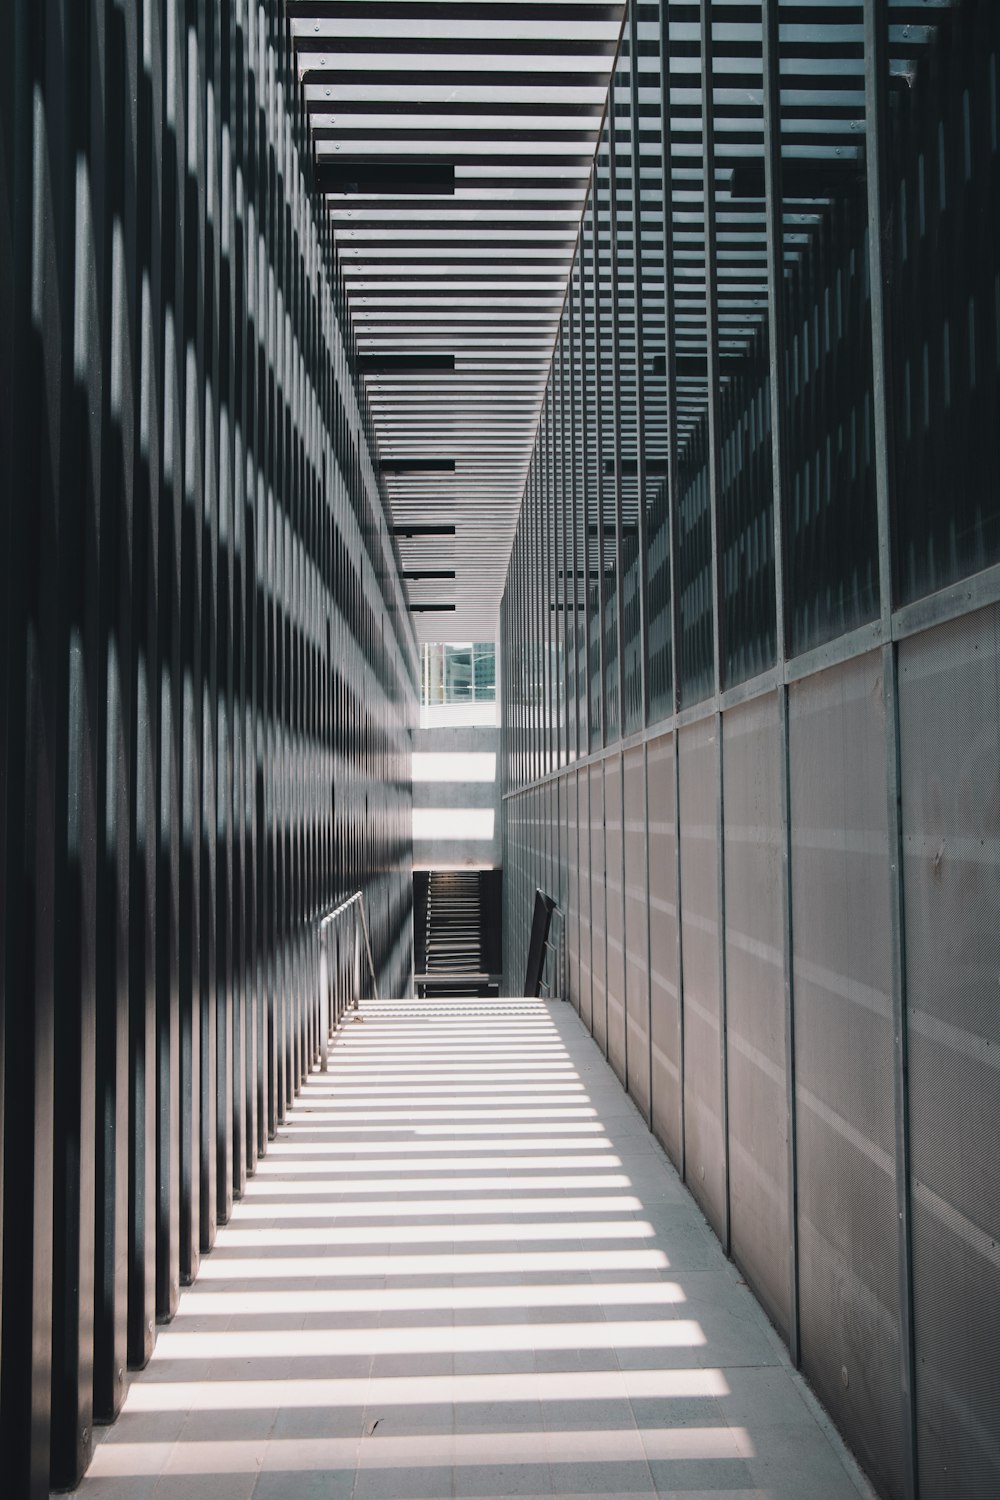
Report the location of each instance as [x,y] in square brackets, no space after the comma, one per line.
[454,923]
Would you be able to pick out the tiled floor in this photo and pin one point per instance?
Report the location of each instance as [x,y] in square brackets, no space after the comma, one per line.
[466,1269]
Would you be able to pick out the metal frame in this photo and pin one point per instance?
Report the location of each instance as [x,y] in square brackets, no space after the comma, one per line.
[209,650]
[752,255]
[330,972]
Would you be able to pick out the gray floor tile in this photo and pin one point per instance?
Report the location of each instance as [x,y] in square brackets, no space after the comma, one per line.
[451,1385]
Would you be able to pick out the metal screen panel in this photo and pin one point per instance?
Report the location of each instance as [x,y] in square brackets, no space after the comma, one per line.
[699,783]
[586,900]
[598,940]
[950,754]
[636,928]
[615,913]
[665,1019]
[755,1001]
[848,1288]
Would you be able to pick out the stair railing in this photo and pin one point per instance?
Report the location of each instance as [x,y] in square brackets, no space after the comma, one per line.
[342,933]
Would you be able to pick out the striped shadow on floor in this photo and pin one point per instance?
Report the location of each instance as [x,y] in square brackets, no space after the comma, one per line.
[465,1268]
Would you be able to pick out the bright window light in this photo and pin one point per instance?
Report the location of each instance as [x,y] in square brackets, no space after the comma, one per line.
[454,765]
[462,823]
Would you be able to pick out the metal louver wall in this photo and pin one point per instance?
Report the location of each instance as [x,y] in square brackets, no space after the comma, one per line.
[454,140]
[775,611]
[208,668]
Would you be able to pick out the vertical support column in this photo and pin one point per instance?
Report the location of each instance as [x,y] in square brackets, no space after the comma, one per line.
[8,752]
[877,78]
[218,458]
[640,372]
[547,521]
[568,592]
[170,518]
[72,465]
[774,218]
[619,486]
[557,625]
[199,479]
[221,1085]
[616,419]
[25,1365]
[116,787]
[145,749]
[715,494]
[228,358]
[76,64]
[598,430]
[579,344]
[673,490]
[568,376]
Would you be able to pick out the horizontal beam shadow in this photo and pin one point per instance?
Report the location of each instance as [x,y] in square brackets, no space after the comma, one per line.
[417,466]
[404,364]
[833,179]
[430,178]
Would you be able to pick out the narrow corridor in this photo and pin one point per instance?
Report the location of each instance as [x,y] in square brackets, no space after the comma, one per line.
[465,1268]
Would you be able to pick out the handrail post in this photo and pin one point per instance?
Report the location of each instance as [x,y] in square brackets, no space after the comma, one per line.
[324,1003]
[368,945]
[357,956]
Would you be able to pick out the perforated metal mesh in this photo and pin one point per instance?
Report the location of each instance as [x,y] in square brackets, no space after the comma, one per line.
[849,1305]
[950,720]
[700,923]
[755,1001]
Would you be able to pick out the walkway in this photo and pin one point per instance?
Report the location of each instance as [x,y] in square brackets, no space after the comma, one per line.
[465,1268]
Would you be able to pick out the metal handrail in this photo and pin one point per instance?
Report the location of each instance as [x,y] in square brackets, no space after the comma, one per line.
[325,926]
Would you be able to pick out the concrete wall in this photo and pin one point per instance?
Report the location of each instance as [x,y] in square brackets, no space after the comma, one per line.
[456,798]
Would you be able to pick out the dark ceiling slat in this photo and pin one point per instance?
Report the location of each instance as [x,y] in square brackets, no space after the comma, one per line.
[550,83]
[412,531]
[568,240]
[452,137]
[363,177]
[522,265]
[515,183]
[404,364]
[445,10]
[389,204]
[310,46]
[487,158]
[537,108]
[417,466]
